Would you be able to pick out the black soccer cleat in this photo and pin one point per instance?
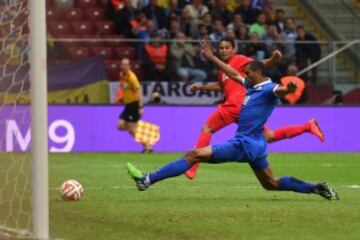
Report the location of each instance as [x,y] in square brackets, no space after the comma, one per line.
[326,192]
[138,177]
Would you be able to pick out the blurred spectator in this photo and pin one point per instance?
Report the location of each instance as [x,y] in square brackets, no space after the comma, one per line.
[183,3]
[188,25]
[306,52]
[207,20]
[156,14]
[196,10]
[300,95]
[280,20]
[289,35]
[173,9]
[219,31]
[174,28]
[236,22]
[273,40]
[221,12]
[233,4]
[155,59]
[138,24]
[259,26]
[242,32]
[183,60]
[264,6]
[230,34]
[249,14]
[123,18]
[156,99]
[255,49]
[336,98]
[203,32]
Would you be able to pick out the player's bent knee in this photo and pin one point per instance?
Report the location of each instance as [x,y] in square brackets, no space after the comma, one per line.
[206,129]
[192,156]
[269,135]
[121,126]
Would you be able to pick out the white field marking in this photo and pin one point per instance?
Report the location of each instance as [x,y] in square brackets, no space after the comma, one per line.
[184,187]
[89,166]
[327,165]
[21,232]
[159,187]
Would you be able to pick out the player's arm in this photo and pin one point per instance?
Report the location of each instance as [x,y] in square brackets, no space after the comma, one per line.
[275,56]
[229,71]
[282,91]
[209,87]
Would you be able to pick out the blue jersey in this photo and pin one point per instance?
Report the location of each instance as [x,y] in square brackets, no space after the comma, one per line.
[249,143]
[258,104]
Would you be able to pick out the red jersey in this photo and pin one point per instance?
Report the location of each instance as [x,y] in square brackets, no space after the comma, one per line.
[234,92]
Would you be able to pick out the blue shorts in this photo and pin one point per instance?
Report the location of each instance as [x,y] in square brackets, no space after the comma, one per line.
[236,151]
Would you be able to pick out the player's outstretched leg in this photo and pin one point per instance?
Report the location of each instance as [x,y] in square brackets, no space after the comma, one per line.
[143,181]
[311,127]
[172,169]
[269,182]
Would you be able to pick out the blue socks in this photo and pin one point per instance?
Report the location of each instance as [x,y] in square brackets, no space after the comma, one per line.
[172,169]
[296,185]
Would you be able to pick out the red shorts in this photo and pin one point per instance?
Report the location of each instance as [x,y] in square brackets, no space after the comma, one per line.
[220,119]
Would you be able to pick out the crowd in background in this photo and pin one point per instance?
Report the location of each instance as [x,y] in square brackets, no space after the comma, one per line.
[259,27]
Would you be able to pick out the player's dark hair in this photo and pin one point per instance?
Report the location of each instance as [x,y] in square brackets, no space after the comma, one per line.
[229,40]
[257,66]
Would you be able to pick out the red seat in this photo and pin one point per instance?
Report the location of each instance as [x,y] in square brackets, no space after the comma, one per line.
[83,27]
[107,52]
[78,52]
[52,14]
[73,14]
[112,69]
[352,97]
[105,28]
[103,3]
[95,14]
[86,3]
[58,28]
[125,52]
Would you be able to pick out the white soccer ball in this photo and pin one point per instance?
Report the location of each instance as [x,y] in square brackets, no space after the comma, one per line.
[71,190]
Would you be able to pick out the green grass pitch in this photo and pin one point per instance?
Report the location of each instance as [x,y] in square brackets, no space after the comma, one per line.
[224,202]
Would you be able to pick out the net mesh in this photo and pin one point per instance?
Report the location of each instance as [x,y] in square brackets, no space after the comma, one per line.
[15,182]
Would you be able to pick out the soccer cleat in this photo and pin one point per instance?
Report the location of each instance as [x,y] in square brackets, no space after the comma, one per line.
[138,177]
[315,129]
[326,192]
[192,172]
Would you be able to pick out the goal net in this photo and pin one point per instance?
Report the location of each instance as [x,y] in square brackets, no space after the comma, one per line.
[15,142]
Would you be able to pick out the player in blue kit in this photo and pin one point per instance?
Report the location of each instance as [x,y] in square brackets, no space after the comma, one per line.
[249,144]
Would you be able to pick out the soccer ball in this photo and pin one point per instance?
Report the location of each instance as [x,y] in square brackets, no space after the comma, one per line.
[71,190]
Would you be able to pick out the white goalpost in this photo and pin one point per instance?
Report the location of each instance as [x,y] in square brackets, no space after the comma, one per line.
[24,204]
[38,93]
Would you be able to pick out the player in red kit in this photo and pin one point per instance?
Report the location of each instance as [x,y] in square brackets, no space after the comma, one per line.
[228,112]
